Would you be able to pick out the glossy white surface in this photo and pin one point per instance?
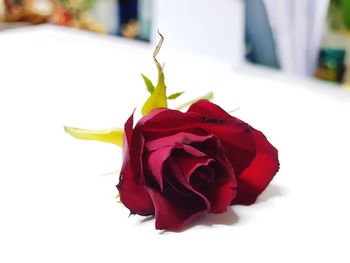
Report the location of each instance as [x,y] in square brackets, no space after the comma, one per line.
[57,193]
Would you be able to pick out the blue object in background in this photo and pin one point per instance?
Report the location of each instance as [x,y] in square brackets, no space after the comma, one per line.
[128,11]
[135,19]
[259,39]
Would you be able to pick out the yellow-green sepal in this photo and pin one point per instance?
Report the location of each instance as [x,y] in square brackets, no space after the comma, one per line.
[149,84]
[114,136]
[158,98]
[175,95]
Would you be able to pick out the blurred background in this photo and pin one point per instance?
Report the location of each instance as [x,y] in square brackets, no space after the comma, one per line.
[309,38]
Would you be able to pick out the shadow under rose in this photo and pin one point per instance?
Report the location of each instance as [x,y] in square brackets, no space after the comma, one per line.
[270,192]
[146,219]
[209,220]
[229,217]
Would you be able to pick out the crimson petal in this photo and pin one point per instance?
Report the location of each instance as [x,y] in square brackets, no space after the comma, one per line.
[253,181]
[258,169]
[180,177]
[132,194]
[209,109]
[155,163]
[189,164]
[222,190]
[173,211]
[181,138]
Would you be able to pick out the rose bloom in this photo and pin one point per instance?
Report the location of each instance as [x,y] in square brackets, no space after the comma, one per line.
[177,165]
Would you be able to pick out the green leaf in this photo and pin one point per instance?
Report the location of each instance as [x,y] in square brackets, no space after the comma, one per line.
[114,136]
[175,95]
[149,84]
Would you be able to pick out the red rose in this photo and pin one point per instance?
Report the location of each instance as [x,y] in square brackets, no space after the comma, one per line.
[177,165]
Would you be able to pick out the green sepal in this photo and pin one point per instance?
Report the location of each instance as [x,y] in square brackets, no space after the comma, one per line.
[175,95]
[114,136]
[149,84]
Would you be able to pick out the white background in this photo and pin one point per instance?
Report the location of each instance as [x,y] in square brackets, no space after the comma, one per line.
[211,27]
[57,194]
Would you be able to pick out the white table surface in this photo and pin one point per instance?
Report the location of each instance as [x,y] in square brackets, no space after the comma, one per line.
[57,194]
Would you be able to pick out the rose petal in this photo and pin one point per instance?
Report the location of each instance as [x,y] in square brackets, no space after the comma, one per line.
[234,134]
[173,211]
[209,109]
[132,194]
[220,193]
[181,138]
[180,178]
[127,140]
[160,125]
[155,163]
[222,190]
[193,151]
[189,164]
[160,149]
[150,116]
[205,174]
[253,181]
